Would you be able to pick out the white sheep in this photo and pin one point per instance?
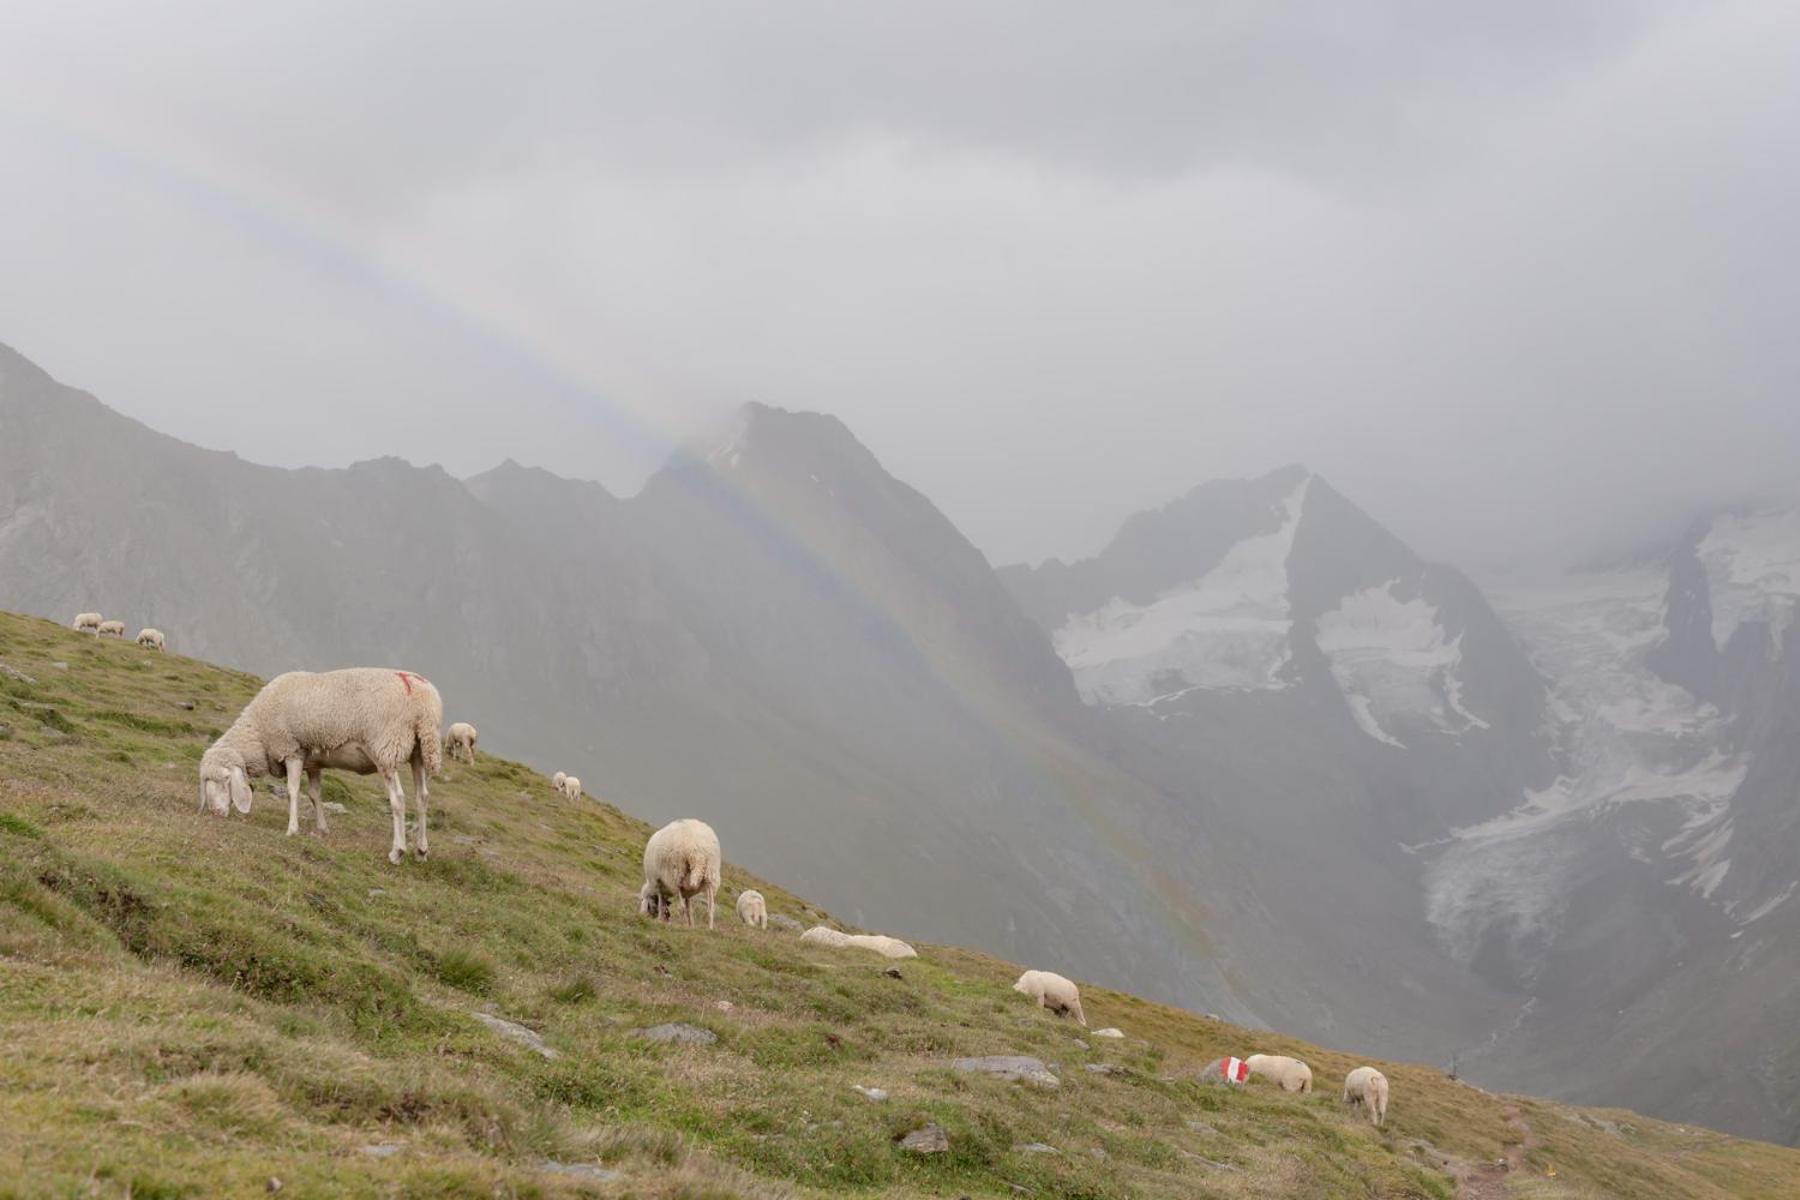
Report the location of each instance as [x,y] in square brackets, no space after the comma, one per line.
[151,639]
[1368,1087]
[882,944]
[369,720]
[461,741]
[111,629]
[752,909]
[1288,1074]
[1053,992]
[571,787]
[825,935]
[87,622]
[681,861]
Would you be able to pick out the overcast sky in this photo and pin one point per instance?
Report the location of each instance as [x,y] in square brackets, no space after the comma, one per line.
[1520,278]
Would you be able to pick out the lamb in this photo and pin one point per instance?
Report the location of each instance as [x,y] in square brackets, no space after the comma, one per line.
[86,622]
[681,861]
[461,741]
[151,639]
[752,910]
[571,788]
[880,943]
[1288,1074]
[110,629]
[1368,1087]
[368,720]
[1053,992]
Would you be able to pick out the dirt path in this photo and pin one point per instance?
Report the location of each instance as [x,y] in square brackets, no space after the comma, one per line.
[1488,1180]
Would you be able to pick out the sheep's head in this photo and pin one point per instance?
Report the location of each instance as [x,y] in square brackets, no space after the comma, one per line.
[650,902]
[224,784]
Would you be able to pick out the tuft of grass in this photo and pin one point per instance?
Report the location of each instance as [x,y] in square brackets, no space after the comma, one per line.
[469,971]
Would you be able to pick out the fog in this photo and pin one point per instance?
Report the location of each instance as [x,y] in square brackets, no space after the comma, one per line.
[1517,278]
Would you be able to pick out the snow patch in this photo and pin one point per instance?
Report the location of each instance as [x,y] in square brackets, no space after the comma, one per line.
[1752,566]
[1226,631]
[1392,660]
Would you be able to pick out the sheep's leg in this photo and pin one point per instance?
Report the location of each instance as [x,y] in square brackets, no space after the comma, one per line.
[390,779]
[318,803]
[712,897]
[422,798]
[293,788]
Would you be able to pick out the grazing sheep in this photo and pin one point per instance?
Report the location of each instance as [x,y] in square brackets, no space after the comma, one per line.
[461,741]
[86,622]
[681,861]
[368,720]
[1053,992]
[556,782]
[1368,1087]
[111,629]
[1288,1074]
[151,639]
[571,788]
[752,910]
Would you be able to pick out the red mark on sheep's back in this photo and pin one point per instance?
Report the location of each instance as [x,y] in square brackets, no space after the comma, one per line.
[405,681]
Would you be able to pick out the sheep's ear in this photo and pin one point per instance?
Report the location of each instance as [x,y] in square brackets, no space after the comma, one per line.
[240,790]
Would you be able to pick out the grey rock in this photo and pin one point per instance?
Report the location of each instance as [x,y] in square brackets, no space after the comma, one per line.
[679,1033]
[60,666]
[374,893]
[587,1171]
[1019,1067]
[1108,1032]
[1097,1152]
[1105,1068]
[515,1032]
[872,1093]
[12,672]
[783,921]
[930,1139]
[1037,1148]
[383,1149]
[333,807]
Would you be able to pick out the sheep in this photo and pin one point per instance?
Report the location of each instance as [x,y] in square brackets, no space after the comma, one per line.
[1288,1074]
[825,935]
[881,944]
[1368,1087]
[151,639]
[571,788]
[752,910]
[111,629]
[87,622]
[461,741]
[369,720]
[681,861]
[556,782]
[1053,992]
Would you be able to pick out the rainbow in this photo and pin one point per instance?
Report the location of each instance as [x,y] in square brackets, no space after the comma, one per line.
[632,404]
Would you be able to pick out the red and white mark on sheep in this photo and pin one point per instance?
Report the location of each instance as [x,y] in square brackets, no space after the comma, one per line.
[405,681]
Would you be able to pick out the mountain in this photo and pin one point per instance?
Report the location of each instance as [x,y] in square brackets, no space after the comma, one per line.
[1576,812]
[1256,758]
[201,1006]
[775,634]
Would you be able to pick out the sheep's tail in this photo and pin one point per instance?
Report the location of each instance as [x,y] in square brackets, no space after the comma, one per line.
[428,719]
[697,873]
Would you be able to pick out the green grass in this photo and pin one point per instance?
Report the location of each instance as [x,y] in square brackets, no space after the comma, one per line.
[195,1005]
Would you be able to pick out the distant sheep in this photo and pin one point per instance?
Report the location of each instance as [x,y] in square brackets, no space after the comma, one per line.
[460,740]
[1288,1074]
[1369,1088]
[837,939]
[752,910]
[681,861]
[368,720]
[111,629]
[1053,992]
[150,639]
[571,788]
[87,623]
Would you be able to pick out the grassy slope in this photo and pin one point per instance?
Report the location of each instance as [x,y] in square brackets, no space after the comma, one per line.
[194,1005]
